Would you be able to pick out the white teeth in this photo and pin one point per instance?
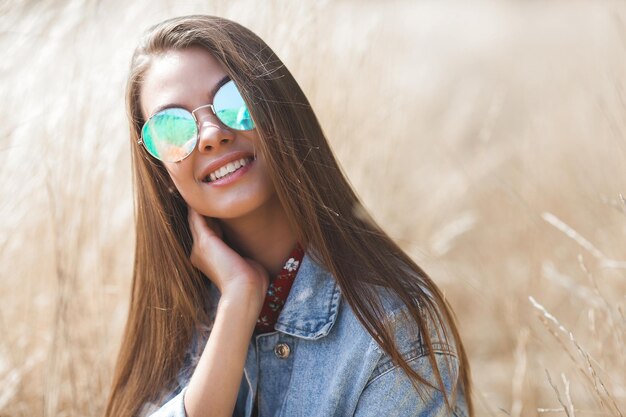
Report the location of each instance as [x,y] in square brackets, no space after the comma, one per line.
[228,168]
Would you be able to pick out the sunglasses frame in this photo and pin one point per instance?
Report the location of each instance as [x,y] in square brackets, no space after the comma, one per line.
[210,105]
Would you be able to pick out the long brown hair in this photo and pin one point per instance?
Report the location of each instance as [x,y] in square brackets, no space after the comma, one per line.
[168,293]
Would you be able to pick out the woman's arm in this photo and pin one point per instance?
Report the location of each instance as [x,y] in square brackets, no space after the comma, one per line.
[213,388]
[389,391]
[214,385]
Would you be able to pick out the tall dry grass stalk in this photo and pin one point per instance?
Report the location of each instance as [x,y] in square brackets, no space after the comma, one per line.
[487,138]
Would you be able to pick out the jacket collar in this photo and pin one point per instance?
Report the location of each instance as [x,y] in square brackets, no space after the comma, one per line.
[311,308]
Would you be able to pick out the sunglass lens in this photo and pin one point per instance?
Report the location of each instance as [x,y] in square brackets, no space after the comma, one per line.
[231,109]
[170,135]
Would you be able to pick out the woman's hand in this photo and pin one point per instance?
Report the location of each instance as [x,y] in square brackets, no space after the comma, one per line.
[234,276]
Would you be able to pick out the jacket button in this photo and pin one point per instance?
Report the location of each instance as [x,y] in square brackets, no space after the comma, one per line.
[282,350]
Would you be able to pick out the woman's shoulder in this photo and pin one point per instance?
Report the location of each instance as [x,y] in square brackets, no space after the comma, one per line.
[413,338]
[428,348]
[318,302]
[316,282]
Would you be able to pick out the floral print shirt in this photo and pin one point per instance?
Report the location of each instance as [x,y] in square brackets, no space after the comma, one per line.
[278,291]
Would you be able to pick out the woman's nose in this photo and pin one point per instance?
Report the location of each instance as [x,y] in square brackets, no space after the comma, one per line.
[212,135]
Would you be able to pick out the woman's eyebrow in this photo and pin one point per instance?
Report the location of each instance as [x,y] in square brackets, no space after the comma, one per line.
[212,93]
[219,84]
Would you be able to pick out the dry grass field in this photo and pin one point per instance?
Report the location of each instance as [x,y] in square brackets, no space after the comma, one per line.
[488,138]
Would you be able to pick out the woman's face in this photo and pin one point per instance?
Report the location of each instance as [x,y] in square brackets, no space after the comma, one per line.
[188,78]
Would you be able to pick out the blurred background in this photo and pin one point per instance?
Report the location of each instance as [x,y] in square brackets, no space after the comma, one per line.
[487,138]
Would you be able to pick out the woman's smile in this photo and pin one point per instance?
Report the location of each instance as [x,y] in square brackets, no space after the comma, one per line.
[227,169]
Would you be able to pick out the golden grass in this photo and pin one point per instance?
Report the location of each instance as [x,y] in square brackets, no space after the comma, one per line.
[488,139]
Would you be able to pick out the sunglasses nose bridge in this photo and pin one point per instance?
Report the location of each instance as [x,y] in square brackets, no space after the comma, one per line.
[201,118]
[210,106]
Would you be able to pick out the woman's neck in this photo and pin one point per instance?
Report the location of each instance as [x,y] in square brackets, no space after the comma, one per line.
[264,236]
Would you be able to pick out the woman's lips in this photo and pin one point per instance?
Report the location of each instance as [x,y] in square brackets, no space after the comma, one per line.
[231,177]
[221,162]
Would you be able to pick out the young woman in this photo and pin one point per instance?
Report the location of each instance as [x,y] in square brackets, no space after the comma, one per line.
[260,285]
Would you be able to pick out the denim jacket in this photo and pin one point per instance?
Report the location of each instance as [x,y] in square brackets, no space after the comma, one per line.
[321,361]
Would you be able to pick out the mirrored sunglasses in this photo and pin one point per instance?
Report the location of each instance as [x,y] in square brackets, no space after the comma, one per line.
[171,134]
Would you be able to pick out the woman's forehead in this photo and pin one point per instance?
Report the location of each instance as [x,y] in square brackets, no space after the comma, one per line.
[185,77]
